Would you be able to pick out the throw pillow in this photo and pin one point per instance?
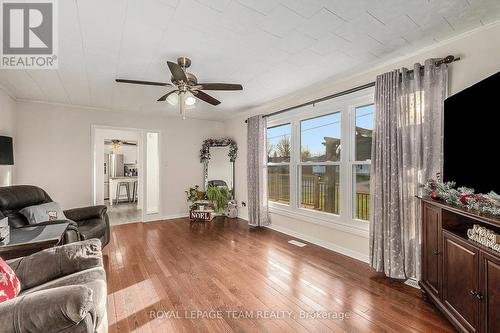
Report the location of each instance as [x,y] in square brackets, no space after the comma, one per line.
[9,283]
[50,211]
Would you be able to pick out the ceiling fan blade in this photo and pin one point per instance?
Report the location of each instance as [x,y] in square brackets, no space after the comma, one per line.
[149,83]
[177,72]
[164,97]
[220,86]
[206,97]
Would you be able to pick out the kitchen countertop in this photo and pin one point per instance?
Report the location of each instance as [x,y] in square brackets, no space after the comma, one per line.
[123,177]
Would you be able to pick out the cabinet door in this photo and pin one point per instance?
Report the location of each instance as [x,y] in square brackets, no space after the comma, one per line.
[490,290]
[461,280]
[431,248]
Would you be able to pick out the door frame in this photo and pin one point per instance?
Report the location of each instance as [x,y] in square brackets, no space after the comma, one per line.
[142,166]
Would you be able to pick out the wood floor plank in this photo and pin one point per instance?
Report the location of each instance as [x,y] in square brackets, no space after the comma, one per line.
[182,276]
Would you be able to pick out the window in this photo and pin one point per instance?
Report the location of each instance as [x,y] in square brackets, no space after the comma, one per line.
[319,163]
[320,139]
[318,159]
[319,188]
[363,132]
[278,163]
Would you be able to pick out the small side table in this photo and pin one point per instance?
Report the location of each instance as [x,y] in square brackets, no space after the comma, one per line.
[28,240]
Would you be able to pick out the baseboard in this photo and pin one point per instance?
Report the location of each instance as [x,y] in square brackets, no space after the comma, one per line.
[325,244]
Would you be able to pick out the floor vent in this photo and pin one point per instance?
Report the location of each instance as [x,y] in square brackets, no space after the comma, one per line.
[297,243]
[412,283]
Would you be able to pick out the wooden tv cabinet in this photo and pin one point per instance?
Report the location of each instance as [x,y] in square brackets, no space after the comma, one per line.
[460,276]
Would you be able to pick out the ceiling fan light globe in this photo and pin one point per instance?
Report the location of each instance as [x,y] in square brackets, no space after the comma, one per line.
[190,100]
[173,99]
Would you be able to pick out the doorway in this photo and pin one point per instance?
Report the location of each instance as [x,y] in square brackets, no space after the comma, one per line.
[125,173]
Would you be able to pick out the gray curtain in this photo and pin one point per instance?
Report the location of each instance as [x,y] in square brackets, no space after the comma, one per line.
[406,151]
[258,214]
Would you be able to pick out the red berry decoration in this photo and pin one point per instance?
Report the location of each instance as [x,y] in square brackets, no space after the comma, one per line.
[434,196]
[434,186]
[463,198]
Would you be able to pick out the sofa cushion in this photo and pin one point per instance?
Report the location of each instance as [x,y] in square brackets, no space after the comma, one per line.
[78,278]
[50,211]
[9,283]
[55,310]
[94,279]
[92,228]
[56,262]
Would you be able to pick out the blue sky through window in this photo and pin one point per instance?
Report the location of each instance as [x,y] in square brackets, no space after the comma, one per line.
[275,135]
[364,116]
[313,131]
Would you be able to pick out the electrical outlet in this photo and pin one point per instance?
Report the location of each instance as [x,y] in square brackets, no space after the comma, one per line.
[243,204]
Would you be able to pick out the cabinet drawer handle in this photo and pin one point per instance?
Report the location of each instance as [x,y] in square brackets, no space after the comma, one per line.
[436,252]
[476,295]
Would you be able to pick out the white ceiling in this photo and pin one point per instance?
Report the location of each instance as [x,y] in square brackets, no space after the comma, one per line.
[272,47]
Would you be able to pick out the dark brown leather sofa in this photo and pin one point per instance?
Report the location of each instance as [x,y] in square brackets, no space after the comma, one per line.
[91,222]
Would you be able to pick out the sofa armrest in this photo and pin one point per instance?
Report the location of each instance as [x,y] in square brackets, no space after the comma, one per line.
[55,262]
[86,213]
[50,310]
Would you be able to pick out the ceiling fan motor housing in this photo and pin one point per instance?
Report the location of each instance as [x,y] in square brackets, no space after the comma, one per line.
[184,62]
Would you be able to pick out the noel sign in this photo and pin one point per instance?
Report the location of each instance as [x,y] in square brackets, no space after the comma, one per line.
[200,215]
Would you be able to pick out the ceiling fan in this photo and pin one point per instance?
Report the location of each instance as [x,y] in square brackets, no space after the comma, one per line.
[116,144]
[186,86]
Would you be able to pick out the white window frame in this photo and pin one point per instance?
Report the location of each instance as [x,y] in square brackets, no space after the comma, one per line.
[352,159]
[346,105]
[289,164]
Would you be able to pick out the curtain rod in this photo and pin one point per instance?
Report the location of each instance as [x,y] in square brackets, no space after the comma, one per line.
[447,60]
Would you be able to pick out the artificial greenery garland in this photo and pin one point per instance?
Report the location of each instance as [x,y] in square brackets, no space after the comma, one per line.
[463,197]
[205,148]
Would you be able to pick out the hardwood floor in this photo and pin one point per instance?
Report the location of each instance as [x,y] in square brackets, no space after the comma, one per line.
[123,213]
[241,280]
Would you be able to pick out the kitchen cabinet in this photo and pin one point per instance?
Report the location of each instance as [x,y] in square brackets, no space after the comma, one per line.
[129,154]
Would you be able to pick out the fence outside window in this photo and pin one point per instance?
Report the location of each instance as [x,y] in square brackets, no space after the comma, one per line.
[314,195]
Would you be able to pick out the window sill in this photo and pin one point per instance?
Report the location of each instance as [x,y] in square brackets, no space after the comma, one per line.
[355,227]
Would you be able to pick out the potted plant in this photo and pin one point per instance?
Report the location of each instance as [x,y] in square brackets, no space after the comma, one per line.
[193,194]
[219,196]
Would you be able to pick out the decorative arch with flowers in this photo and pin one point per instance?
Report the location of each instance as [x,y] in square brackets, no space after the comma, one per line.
[222,142]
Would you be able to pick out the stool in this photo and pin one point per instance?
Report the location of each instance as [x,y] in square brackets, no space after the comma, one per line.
[119,186]
[134,191]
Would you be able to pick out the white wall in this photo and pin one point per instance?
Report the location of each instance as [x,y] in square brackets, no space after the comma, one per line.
[53,146]
[480,54]
[7,127]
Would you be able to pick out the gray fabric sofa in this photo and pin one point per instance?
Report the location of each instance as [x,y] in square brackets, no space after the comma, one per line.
[63,289]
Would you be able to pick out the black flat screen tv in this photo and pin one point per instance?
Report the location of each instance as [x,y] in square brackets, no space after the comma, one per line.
[472,136]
